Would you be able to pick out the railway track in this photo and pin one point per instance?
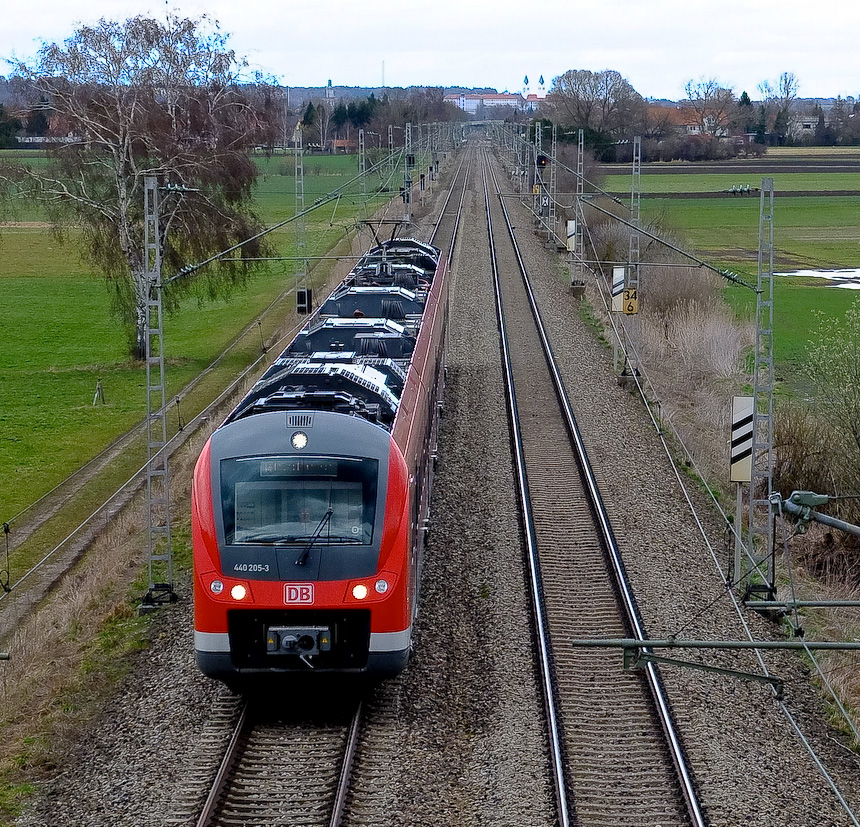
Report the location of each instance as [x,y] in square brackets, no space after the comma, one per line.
[285,770]
[278,772]
[616,759]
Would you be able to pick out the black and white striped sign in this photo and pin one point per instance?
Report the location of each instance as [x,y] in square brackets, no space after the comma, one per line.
[571,236]
[742,438]
[618,289]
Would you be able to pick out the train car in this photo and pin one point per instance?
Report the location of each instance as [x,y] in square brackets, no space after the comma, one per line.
[310,502]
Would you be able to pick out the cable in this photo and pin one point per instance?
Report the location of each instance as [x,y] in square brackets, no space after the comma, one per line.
[724,273]
[192,425]
[321,201]
[335,194]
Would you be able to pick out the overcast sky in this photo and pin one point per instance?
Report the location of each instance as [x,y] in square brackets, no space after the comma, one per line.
[657,45]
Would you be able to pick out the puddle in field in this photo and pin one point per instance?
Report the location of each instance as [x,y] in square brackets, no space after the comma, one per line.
[849,279]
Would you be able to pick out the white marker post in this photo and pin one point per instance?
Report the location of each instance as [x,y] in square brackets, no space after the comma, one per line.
[741,464]
[618,289]
[571,236]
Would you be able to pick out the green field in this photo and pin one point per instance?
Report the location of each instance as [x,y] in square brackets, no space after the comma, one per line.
[815,232]
[795,303]
[58,338]
[656,183]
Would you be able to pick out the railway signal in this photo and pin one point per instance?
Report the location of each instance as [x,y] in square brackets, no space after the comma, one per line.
[304,301]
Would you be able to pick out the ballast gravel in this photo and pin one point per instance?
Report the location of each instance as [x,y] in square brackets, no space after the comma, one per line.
[750,764]
[457,739]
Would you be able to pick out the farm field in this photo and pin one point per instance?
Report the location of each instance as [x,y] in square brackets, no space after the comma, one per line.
[814,232]
[795,304]
[655,182]
[58,337]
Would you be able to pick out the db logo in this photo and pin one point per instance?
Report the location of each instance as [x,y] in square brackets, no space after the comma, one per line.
[298,593]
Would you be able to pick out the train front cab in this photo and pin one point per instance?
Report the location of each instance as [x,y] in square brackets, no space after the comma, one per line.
[346,607]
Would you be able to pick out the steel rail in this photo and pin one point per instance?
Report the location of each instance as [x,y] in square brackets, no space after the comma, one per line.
[459,214]
[232,758]
[601,517]
[228,761]
[346,768]
[544,646]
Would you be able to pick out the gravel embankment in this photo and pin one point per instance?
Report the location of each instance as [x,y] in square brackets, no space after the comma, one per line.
[457,739]
[749,764]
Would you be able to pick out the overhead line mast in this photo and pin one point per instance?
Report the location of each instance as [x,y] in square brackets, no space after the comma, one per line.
[160,553]
[761,583]
[303,294]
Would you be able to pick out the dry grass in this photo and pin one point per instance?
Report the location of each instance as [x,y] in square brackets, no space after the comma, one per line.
[76,645]
[840,669]
[701,337]
[691,349]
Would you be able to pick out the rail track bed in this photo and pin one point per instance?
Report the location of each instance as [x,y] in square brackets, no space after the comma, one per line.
[283,771]
[618,766]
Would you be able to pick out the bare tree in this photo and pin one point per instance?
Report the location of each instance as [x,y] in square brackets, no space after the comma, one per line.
[778,101]
[657,123]
[712,104]
[145,98]
[322,121]
[601,101]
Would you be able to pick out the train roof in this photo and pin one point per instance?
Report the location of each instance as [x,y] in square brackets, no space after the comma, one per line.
[368,337]
[374,302]
[402,251]
[341,387]
[404,248]
[347,361]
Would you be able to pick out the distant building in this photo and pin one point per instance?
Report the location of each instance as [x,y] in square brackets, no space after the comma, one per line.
[472,102]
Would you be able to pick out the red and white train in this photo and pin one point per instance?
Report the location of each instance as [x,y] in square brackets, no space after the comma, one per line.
[310,502]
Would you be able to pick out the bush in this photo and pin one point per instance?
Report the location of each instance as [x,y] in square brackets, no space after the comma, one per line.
[673,287]
[801,458]
[689,342]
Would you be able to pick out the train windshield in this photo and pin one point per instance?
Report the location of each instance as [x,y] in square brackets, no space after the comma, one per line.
[290,500]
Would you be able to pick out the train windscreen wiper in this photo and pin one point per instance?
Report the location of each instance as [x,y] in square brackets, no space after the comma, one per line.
[302,558]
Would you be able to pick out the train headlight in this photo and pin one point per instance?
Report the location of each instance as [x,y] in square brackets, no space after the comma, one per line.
[381,586]
[238,592]
[216,587]
[359,591]
[299,440]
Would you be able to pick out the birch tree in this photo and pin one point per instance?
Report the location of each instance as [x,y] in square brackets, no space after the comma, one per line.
[140,98]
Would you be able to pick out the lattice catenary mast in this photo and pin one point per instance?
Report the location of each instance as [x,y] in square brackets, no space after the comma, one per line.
[635,215]
[160,554]
[301,222]
[760,537]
